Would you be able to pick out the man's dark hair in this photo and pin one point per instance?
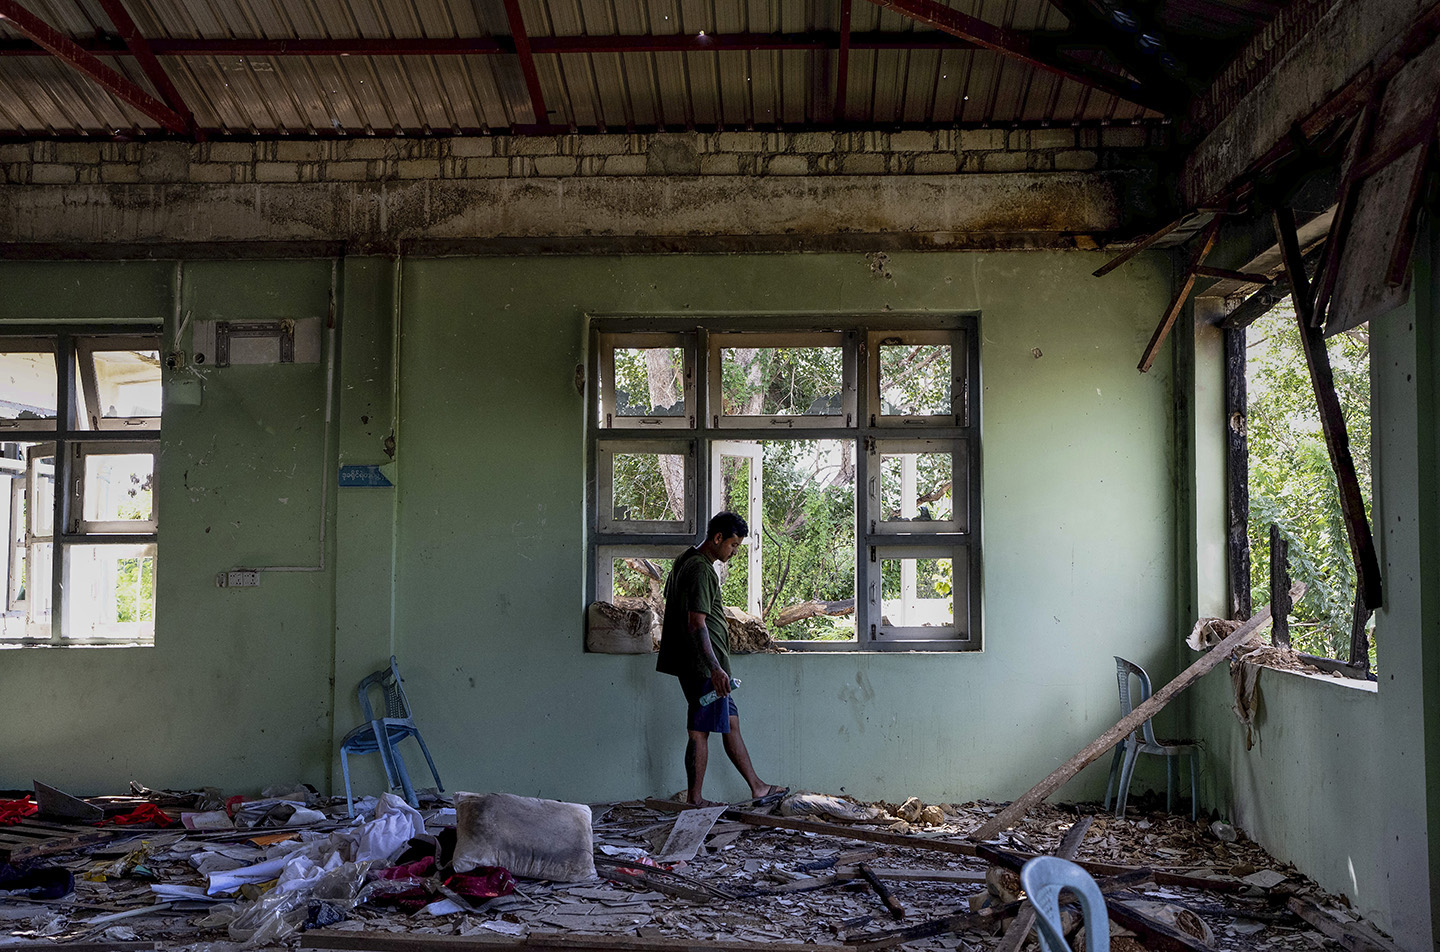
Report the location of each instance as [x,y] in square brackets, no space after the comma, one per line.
[727,524]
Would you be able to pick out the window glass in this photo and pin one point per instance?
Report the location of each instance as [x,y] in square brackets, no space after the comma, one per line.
[915,379]
[119,487]
[916,593]
[649,487]
[782,381]
[649,382]
[28,385]
[128,383]
[41,490]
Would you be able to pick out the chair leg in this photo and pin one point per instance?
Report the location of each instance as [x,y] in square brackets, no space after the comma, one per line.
[429,760]
[405,785]
[345,770]
[1114,769]
[1126,775]
[387,754]
[1194,786]
[1172,779]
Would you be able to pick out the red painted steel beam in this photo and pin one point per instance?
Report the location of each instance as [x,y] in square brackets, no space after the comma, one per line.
[70,53]
[1017,46]
[527,62]
[482,46]
[140,48]
[842,66]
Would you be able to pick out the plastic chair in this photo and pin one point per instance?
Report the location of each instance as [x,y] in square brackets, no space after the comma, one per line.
[381,734]
[1043,879]
[1143,741]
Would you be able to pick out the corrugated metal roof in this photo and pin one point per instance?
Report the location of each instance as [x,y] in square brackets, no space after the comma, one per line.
[607,86]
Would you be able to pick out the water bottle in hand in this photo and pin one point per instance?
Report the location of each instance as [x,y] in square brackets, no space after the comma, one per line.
[711,696]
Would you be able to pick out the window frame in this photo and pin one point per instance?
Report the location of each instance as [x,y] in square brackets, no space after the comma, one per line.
[71,436]
[605,374]
[958,431]
[607,449]
[720,341]
[959,340]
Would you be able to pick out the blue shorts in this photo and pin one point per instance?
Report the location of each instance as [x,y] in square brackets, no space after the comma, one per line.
[713,718]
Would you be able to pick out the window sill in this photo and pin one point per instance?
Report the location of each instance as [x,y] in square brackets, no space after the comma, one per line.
[31,645]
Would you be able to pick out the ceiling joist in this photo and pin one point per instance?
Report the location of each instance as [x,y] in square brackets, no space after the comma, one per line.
[136,43]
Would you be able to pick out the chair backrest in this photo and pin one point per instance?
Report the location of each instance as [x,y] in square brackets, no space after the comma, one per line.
[1044,878]
[392,690]
[1124,671]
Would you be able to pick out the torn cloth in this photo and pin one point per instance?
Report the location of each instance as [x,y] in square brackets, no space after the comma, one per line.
[13,811]
[144,813]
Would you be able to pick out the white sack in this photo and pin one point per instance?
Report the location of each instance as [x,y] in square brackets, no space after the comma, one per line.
[536,839]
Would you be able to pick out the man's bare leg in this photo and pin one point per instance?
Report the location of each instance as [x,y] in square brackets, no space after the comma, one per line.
[740,757]
[697,756]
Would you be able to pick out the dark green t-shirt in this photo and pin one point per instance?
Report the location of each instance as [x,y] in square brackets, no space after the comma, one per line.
[692,587]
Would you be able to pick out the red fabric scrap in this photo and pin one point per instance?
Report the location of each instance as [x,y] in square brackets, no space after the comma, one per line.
[13,811]
[144,813]
[416,870]
[483,882]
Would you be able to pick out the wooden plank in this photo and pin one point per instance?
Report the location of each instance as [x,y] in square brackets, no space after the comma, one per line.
[1015,859]
[1244,277]
[1147,242]
[901,875]
[1153,933]
[897,911]
[29,839]
[831,829]
[1237,475]
[136,946]
[1352,936]
[1280,605]
[1142,713]
[1344,213]
[1332,421]
[1187,284]
[1019,930]
[535,942]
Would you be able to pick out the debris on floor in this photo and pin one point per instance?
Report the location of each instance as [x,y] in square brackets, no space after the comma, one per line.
[196,870]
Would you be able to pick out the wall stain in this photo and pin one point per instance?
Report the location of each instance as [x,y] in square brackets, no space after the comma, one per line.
[857,697]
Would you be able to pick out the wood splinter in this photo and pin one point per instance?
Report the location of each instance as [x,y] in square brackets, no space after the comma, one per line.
[897,911]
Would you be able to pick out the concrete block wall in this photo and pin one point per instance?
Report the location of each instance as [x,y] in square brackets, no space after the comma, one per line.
[755,154]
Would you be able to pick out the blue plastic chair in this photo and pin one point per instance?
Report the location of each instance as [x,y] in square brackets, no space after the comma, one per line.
[1143,741]
[381,734]
[1043,879]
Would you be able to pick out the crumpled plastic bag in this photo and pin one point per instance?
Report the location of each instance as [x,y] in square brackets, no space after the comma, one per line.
[278,914]
[822,804]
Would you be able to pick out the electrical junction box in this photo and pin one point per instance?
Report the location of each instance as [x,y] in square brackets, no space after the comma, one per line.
[227,343]
[238,578]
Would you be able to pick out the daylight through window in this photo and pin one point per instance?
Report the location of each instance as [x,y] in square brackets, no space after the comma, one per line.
[80,409]
[848,450]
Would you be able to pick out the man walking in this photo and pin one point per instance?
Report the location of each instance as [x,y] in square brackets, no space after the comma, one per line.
[695,647]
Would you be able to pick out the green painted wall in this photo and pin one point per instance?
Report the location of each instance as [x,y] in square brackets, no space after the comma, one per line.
[472,568]
[1342,781]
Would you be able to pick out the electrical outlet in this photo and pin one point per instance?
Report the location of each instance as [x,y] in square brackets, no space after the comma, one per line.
[238,578]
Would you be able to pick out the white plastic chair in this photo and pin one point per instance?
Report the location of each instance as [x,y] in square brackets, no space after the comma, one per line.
[1143,741]
[1044,878]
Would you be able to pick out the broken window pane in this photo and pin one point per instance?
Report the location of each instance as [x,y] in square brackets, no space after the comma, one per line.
[782,381]
[916,592]
[916,487]
[127,383]
[119,487]
[649,382]
[649,487]
[915,379]
[109,591]
[28,386]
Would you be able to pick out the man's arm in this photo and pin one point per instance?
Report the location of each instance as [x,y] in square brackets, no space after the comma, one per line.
[700,631]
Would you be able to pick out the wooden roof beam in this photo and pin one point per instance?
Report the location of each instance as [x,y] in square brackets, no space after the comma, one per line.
[65,49]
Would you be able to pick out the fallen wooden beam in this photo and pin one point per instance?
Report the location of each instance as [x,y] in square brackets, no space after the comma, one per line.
[897,911]
[1007,817]
[831,829]
[1014,859]
[1153,933]
[1350,935]
[1025,921]
[534,942]
[900,875]
[1182,294]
